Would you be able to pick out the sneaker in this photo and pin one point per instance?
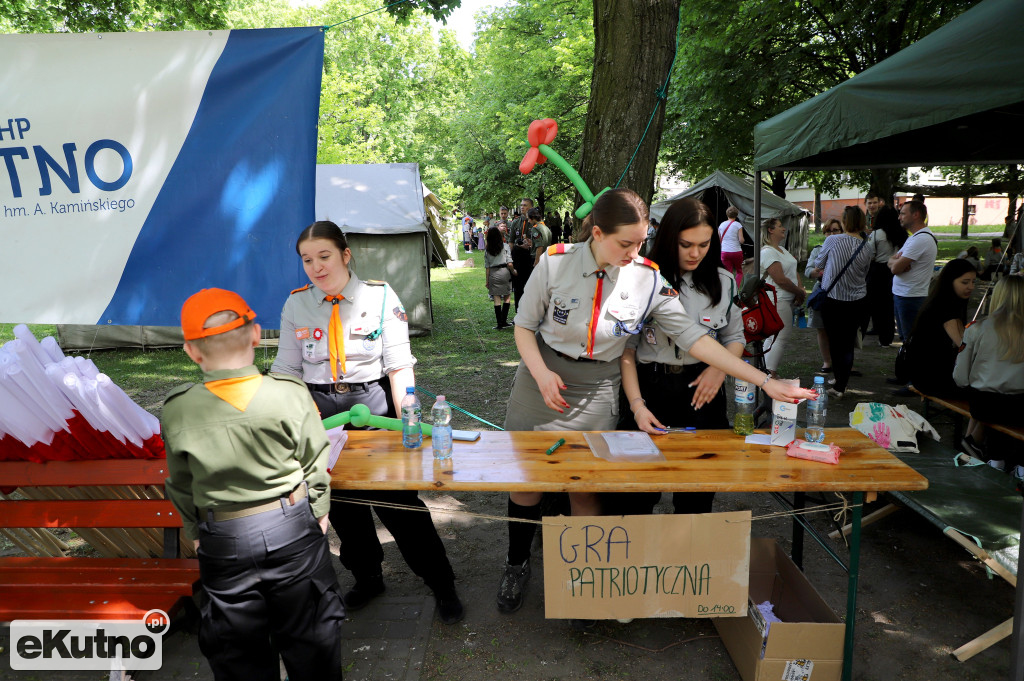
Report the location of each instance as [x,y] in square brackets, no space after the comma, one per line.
[1018,473]
[364,591]
[998,464]
[510,591]
[834,394]
[449,607]
[972,447]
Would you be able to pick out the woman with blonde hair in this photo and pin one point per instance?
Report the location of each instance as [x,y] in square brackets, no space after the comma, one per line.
[780,269]
[991,363]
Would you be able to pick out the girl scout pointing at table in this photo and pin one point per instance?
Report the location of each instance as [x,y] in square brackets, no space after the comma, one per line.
[580,306]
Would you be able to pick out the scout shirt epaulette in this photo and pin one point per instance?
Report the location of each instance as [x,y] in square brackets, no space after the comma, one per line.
[300,289]
[278,376]
[650,263]
[374,282]
[180,390]
[559,249]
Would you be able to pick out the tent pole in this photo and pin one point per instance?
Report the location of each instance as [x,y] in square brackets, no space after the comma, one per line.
[757,224]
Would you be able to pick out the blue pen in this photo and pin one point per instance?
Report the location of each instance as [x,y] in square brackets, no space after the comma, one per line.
[687,429]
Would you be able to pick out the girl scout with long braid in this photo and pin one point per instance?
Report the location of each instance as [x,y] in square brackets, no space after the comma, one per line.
[343,336]
[581,304]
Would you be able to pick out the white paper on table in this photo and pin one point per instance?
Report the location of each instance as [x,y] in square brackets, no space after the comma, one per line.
[758,439]
[624,446]
[338,437]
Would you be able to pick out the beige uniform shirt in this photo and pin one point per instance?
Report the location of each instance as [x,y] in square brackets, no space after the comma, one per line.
[723,322]
[367,307]
[559,294]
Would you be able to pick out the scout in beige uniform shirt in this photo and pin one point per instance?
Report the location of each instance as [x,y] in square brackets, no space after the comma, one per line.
[559,305]
[723,322]
[375,326]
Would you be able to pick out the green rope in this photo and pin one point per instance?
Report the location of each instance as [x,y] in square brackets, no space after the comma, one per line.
[662,95]
[458,408]
[327,28]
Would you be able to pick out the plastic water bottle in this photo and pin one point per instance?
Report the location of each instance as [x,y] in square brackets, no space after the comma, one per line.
[816,412]
[412,433]
[441,439]
[743,394]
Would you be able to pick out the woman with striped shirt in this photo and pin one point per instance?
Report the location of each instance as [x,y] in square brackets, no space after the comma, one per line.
[846,304]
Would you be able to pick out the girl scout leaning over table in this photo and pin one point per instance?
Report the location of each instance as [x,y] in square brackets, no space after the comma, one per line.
[663,385]
[343,336]
[580,306]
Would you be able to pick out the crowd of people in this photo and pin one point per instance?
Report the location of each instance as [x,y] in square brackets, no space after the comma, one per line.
[607,340]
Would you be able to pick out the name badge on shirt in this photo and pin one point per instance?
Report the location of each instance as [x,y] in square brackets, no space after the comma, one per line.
[560,314]
[309,350]
[302,334]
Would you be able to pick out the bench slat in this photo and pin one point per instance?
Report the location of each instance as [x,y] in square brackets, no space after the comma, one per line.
[126,573]
[70,602]
[70,473]
[91,513]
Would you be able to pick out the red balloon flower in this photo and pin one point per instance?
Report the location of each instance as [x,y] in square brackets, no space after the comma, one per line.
[541,132]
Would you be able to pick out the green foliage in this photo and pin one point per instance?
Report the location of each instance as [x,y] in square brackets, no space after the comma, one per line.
[533,60]
[106,16]
[743,61]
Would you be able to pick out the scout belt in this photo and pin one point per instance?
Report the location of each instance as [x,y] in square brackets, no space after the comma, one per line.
[338,388]
[296,495]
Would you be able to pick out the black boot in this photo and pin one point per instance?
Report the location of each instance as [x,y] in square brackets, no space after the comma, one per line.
[364,591]
[504,316]
[497,318]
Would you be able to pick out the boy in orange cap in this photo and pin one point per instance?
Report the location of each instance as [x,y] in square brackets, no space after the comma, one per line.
[247,457]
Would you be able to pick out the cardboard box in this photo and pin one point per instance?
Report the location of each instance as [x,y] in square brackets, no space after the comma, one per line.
[806,646]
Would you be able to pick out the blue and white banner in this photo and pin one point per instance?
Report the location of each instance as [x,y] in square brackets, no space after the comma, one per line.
[137,168]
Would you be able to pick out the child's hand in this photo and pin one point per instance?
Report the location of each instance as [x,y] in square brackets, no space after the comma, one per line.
[323,520]
[195,544]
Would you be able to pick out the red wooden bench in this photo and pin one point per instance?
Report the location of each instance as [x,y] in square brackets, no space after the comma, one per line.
[87,587]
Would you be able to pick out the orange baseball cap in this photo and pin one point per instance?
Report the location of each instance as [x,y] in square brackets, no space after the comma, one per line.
[200,306]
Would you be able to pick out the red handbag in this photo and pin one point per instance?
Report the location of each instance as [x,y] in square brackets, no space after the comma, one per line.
[761,320]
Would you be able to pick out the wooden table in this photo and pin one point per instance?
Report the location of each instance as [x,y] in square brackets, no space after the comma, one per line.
[708,461]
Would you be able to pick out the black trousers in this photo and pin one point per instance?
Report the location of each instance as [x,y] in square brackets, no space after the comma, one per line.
[880,310]
[413,530]
[272,591]
[668,396]
[842,320]
[523,264]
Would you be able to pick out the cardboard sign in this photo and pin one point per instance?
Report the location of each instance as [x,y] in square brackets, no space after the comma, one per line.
[614,567]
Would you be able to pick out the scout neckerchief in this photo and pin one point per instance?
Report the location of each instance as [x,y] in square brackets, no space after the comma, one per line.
[595,312]
[336,337]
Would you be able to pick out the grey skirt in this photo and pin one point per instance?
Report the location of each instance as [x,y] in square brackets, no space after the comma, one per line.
[499,281]
[592,393]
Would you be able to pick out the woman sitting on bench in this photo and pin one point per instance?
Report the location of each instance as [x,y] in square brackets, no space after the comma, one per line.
[991,364]
[939,331]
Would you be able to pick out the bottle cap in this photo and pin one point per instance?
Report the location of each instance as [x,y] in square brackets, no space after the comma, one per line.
[409,390]
[819,379]
[440,398]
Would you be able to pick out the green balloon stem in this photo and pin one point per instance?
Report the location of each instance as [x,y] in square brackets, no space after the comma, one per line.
[358,418]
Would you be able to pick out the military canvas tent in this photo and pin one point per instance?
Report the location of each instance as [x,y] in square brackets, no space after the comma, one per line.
[720,190]
[381,209]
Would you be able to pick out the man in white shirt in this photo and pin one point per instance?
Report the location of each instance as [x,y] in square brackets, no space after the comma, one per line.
[912,267]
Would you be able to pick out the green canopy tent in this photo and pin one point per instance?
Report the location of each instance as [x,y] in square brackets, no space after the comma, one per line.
[955,97]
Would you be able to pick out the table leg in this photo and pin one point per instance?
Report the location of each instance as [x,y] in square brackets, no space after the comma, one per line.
[1016,651]
[851,585]
[798,531]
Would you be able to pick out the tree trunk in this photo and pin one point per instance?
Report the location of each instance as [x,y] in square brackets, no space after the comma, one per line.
[778,183]
[965,218]
[883,183]
[817,211]
[633,50]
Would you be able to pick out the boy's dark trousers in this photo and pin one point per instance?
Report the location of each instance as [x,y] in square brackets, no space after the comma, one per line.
[272,591]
